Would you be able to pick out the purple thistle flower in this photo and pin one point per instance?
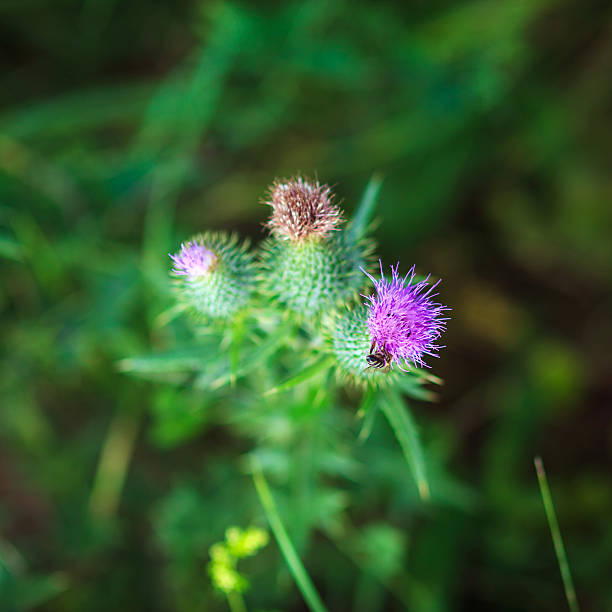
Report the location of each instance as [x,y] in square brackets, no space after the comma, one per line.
[403,321]
[193,260]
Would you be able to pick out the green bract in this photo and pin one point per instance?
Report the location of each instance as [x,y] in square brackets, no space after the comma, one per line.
[313,276]
[351,342]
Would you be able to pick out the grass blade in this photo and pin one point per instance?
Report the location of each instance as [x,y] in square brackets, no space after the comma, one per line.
[113,464]
[405,430]
[551,517]
[299,573]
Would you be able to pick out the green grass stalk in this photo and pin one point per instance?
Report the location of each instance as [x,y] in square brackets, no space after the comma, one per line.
[551,517]
[236,602]
[299,573]
[113,465]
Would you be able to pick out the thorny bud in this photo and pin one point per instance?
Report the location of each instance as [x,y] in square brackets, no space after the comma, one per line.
[215,275]
[309,264]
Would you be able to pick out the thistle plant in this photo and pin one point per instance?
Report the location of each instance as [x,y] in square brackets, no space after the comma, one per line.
[280,329]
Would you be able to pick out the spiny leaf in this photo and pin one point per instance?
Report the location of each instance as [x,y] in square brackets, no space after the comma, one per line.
[315,368]
[367,410]
[256,357]
[405,430]
[178,361]
[238,332]
[363,214]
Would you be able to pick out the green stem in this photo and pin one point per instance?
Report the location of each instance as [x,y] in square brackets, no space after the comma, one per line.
[551,517]
[301,577]
[302,481]
[236,602]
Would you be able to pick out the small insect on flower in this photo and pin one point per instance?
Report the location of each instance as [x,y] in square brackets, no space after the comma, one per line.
[404,320]
[380,359]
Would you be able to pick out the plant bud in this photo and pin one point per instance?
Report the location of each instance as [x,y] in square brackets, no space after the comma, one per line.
[214,274]
[309,265]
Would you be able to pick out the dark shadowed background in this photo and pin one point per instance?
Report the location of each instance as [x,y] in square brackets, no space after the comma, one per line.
[126,126]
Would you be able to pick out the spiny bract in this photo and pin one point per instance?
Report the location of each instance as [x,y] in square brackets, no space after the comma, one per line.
[313,277]
[308,264]
[351,344]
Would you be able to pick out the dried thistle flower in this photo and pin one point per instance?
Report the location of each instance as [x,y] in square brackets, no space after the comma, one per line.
[403,320]
[302,209]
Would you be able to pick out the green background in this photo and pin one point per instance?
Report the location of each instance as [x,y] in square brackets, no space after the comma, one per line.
[126,126]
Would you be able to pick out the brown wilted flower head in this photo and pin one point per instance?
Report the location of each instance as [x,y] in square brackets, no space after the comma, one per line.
[301,209]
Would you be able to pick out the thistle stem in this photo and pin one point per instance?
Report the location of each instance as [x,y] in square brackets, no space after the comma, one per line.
[236,602]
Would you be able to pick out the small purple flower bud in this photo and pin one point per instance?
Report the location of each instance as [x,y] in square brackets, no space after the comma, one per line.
[302,209]
[214,275]
[403,321]
[193,260]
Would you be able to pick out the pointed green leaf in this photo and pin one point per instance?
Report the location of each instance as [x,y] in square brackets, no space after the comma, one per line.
[367,410]
[405,430]
[296,567]
[169,363]
[312,370]
[553,523]
[238,332]
[255,357]
[363,215]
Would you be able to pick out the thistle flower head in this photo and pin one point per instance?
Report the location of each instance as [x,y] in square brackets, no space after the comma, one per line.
[302,209]
[403,320]
[214,274]
[193,260]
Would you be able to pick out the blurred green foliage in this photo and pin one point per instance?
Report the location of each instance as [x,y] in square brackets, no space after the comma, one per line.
[127,126]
